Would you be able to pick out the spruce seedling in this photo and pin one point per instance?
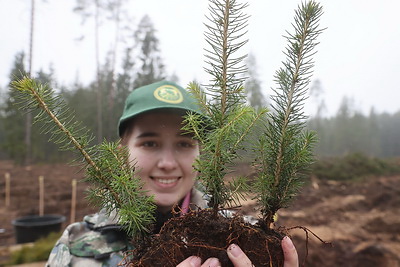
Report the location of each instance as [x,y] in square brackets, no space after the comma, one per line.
[223,101]
[284,150]
[115,185]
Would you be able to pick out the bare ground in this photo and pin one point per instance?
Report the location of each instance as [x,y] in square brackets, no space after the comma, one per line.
[360,219]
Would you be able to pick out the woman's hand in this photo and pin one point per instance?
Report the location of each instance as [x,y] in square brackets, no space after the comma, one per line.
[194,261]
[289,253]
[239,258]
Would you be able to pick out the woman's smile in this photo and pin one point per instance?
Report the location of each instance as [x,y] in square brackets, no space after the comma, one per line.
[165,182]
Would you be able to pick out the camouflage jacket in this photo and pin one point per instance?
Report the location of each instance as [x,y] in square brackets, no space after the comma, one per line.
[97,241]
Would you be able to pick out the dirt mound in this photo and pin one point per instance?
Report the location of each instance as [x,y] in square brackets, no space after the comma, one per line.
[361,219]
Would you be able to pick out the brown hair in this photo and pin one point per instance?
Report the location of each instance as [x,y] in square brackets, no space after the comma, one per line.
[126,131]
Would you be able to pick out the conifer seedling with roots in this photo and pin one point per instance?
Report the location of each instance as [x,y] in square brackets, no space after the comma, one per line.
[282,148]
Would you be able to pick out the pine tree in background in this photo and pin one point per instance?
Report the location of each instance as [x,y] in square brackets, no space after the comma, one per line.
[12,119]
[81,100]
[111,10]
[42,149]
[28,118]
[117,12]
[150,67]
[253,88]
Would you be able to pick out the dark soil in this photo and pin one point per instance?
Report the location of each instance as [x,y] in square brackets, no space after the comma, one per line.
[361,219]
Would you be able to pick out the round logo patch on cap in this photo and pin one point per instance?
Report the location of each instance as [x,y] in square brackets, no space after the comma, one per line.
[168,94]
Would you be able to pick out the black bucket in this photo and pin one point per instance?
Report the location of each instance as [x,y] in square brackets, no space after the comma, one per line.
[31,228]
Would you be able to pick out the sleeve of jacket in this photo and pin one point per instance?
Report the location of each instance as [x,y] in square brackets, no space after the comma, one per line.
[60,255]
[81,245]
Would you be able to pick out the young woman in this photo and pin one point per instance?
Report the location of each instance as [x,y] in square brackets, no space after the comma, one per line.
[150,127]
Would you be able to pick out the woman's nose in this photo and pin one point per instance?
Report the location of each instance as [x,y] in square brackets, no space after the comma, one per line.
[167,159]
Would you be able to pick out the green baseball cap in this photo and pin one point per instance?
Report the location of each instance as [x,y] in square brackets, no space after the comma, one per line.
[159,95]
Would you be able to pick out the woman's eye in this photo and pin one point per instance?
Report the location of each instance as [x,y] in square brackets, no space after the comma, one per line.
[186,144]
[149,144]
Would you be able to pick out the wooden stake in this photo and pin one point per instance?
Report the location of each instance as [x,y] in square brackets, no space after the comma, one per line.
[7,177]
[73,201]
[41,195]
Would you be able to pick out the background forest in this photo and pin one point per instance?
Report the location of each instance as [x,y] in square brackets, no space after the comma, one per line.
[347,132]
[99,103]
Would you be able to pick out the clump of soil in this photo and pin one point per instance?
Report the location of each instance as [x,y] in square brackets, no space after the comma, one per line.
[206,234]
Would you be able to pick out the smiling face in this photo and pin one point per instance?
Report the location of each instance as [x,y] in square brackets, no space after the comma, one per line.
[164,157]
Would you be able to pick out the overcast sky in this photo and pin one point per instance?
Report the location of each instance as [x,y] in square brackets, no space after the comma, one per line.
[358,55]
